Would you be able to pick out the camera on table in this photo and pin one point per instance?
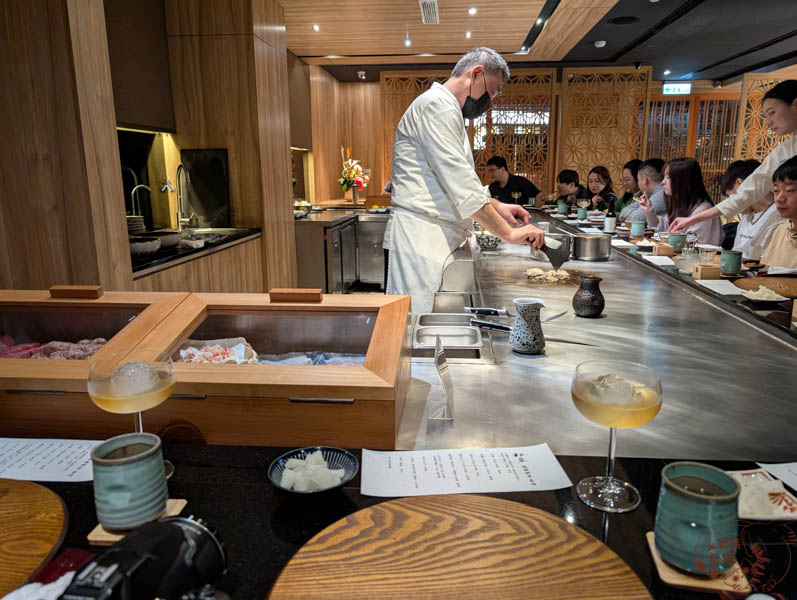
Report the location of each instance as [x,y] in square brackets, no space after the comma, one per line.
[176,558]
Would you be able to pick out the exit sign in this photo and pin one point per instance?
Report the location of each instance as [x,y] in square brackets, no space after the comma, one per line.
[670,89]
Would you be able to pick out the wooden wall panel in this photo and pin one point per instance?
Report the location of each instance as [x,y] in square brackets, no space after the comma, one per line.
[362,129]
[299,98]
[754,139]
[566,27]
[230,88]
[237,269]
[59,163]
[325,104]
[604,118]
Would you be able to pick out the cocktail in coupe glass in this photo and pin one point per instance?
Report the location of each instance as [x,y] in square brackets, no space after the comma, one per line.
[621,395]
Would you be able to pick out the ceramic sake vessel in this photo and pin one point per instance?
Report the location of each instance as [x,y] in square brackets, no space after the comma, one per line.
[526,336]
[588,301]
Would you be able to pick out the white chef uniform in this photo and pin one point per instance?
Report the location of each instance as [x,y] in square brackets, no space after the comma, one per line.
[435,193]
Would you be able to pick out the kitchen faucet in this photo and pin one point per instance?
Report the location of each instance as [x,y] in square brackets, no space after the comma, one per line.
[133,197]
[180,220]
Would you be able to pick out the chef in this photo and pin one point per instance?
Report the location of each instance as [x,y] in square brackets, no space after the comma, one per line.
[436,193]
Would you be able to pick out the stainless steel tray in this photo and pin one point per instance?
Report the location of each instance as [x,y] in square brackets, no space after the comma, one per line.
[450,337]
[447,319]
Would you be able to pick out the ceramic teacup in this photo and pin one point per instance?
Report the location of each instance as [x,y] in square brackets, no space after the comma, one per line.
[730,262]
[637,228]
[697,518]
[129,480]
[561,207]
[677,241]
[582,213]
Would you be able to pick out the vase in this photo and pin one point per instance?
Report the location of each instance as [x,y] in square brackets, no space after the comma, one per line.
[526,336]
[588,301]
[354,195]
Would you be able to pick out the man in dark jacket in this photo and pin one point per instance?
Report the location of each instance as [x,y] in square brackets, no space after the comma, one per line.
[504,184]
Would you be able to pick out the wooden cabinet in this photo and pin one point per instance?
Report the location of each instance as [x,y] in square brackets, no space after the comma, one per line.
[139,57]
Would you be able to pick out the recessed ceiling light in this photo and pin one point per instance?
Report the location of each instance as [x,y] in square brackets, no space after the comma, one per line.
[316,27]
[467,34]
[361,75]
[408,42]
[600,43]
[472,10]
[666,71]
[539,21]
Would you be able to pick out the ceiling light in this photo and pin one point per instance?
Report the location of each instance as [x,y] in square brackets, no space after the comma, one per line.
[467,34]
[316,27]
[600,43]
[472,10]
[408,42]
[539,21]
[667,71]
[653,1]
[361,75]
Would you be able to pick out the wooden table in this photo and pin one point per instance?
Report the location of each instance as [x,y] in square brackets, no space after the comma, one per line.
[456,546]
[32,526]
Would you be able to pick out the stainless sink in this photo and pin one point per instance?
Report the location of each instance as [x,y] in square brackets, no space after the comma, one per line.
[450,337]
[432,319]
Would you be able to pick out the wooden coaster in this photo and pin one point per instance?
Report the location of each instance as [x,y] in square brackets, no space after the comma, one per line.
[100,536]
[733,580]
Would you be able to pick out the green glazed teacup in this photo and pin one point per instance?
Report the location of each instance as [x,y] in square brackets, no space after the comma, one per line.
[582,213]
[697,518]
[129,480]
[730,262]
[637,228]
[677,241]
[561,207]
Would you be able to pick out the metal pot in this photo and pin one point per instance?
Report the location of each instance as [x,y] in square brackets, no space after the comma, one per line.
[592,246]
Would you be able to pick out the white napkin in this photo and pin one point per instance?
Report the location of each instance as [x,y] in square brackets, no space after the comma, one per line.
[39,591]
[662,261]
[780,270]
[618,243]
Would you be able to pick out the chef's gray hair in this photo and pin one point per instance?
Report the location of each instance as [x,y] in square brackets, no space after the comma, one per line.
[488,58]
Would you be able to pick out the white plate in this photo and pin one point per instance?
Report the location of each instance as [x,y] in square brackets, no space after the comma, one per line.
[782,503]
[759,301]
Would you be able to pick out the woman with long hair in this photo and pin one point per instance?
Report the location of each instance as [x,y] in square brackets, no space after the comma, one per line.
[600,186]
[780,115]
[630,186]
[686,197]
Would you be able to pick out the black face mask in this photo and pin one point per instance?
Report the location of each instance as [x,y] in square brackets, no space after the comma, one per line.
[473,109]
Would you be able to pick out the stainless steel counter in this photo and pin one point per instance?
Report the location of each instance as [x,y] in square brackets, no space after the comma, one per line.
[327,218]
[730,388]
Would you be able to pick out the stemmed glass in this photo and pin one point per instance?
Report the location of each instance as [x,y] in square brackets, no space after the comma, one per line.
[130,382]
[616,394]
[516,196]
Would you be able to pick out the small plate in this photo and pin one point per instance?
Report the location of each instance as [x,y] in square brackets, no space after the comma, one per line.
[783,504]
[337,458]
[760,301]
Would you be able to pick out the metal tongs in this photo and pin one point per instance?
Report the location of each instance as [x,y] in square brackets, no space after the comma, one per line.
[486,311]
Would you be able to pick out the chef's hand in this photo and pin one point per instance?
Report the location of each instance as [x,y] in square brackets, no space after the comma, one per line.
[680,224]
[512,213]
[529,235]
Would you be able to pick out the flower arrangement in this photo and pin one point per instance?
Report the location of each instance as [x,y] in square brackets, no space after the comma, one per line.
[352,175]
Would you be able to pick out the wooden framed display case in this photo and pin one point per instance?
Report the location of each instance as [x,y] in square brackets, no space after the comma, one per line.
[333,372]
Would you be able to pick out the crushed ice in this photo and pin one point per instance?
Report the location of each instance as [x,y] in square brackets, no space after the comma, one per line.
[613,389]
[133,377]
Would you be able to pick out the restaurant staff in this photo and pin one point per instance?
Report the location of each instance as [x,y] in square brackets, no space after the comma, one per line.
[780,115]
[509,188]
[436,192]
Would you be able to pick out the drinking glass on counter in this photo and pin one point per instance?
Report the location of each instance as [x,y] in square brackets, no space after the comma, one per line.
[616,394]
[516,196]
[707,254]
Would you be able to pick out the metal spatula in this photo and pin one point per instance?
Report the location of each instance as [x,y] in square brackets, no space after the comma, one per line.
[557,249]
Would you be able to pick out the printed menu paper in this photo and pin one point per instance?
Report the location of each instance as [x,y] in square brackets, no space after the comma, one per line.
[786,472]
[461,471]
[662,261]
[720,286]
[46,460]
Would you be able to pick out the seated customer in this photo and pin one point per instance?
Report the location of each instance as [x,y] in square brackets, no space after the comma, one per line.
[759,221]
[683,183]
[504,184]
[569,189]
[649,178]
[630,186]
[782,249]
[600,186]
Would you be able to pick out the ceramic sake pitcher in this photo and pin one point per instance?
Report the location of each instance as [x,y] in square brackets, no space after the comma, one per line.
[526,336]
[588,301]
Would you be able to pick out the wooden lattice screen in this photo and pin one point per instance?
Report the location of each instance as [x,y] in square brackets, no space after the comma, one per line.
[604,118]
[715,139]
[517,126]
[668,125]
[755,140]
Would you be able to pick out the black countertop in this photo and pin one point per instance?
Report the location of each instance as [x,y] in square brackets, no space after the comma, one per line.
[263,527]
[167,255]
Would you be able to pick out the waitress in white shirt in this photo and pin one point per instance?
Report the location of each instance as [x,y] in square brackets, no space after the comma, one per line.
[436,193]
[780,114]
[759,221]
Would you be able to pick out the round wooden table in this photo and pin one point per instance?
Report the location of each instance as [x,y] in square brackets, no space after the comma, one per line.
[32,526]
[455,546]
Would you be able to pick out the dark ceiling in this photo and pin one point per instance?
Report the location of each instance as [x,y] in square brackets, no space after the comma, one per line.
[693,39]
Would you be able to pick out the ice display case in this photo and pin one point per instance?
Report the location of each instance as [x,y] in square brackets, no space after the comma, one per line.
[250,371]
